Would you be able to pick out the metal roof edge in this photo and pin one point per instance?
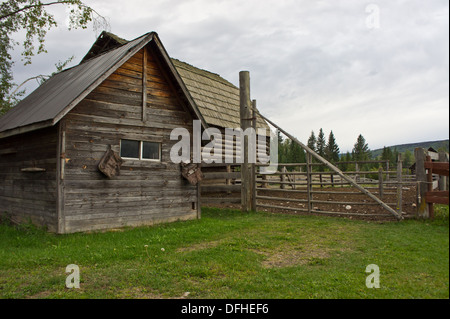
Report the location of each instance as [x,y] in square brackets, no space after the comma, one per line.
[26,129]
[132,51]
[146,38]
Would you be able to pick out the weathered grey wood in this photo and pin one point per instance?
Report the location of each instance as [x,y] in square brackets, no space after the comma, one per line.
[296,209]
[102,78]
[319,211]
[281,190]
[308,178]
[245,116]
[252,166]
[283,177]
[429,188]
[33,169]
[422,207]
[144,84]
[221,200]
[380,182]
[61,155]
[144,191]
[399,184]
[282,199]
[222,175]
[334,168]
[26,195]
[221,188]
[349,203]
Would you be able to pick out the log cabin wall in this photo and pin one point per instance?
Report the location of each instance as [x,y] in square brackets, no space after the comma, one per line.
[145,192]
[28,178]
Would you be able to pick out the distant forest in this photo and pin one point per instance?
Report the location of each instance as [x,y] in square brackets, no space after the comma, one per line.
[327,147]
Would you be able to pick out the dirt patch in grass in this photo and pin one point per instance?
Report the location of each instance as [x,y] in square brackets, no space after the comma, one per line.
[297,255]
[200,246]
[293,256]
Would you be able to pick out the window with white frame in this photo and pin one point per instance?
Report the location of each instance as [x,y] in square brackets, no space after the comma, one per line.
[140,150]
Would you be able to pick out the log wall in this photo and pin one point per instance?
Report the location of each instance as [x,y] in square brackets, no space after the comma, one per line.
[28,177]
[145,192]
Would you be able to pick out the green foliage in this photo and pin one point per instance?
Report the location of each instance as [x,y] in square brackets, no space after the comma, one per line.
[321,143]
[312,141]
[290,152]
[361,151]
[32,17]
[332,149]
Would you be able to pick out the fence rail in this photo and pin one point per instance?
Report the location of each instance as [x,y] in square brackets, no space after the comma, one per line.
[432,171]
[315,186]
[221,184]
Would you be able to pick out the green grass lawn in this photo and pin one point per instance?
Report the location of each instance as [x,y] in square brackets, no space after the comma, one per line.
[229,254]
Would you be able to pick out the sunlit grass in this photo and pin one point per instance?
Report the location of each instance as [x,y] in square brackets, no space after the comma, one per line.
[229,254]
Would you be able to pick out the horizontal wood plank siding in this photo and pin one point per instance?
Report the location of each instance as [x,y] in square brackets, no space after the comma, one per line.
[145,192]
[24,195]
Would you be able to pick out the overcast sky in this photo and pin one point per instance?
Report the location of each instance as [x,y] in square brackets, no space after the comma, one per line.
[376,68]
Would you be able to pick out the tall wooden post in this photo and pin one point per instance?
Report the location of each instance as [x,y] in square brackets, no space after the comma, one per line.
[399,183]
[421,176]
[60,182]
[430,187]
[253,166]
[245,113]
[380,182]
[308,180]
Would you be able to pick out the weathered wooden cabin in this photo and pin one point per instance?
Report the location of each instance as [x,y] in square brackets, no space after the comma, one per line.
[117,109]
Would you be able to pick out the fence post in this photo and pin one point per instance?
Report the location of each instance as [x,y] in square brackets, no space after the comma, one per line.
[244,98]
[387,169]
[399,183]
[430,187]
[421,176]
[253,166]
[380,182]
[282,177]
[308,180]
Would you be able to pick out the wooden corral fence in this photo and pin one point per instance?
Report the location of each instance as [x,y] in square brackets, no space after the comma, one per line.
[292,175]
[306,187]
[432,171]
[251,199]
[319,186]
[221,184]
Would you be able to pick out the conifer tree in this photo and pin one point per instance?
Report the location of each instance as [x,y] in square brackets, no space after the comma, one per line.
[332,149]
[361,151]
[321,143]
[312,141]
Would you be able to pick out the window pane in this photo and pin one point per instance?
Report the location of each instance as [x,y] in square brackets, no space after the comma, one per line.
[150,150]
[129,148]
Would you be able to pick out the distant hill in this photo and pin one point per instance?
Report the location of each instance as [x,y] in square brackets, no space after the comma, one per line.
[403,147]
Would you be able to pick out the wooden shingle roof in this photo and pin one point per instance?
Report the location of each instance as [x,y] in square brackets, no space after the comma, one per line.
[216,98]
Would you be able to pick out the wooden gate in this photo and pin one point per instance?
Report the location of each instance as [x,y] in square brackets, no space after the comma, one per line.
[308,187]
[249,188]
[221,184]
